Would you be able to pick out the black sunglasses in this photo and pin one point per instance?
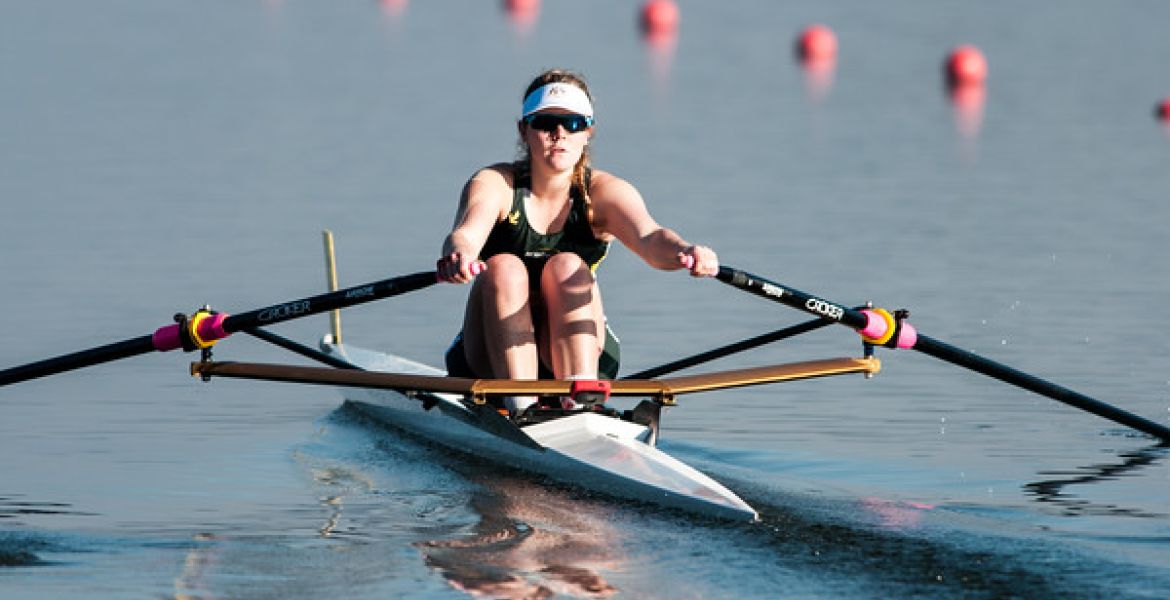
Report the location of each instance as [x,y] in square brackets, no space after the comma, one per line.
[549,122]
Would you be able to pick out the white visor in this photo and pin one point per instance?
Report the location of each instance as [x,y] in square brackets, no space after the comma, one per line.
[558,95]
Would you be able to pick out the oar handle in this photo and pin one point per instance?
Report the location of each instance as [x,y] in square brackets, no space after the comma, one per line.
[876,326]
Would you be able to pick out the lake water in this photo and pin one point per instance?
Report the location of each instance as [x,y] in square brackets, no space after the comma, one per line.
[157,156]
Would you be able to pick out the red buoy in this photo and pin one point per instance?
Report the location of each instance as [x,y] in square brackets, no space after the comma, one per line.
[522,14]
[966,66]
[394,8]
[816,43]
[660,17]
[521,5]
[1162,110]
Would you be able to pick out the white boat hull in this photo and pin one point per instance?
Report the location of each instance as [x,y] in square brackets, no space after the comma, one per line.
[588,450]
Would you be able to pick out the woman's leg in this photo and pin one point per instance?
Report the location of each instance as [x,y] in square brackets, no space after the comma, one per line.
[498,333]
[575,319]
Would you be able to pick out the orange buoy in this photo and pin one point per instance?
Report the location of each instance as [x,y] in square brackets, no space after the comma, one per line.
[966,66]
[816,43]
[660,17]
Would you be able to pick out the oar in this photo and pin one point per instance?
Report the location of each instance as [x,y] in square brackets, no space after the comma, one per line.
[204,328]
[299,348]
[729,349]
[880,327]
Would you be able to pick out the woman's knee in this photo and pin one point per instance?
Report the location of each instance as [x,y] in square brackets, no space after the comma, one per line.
[505,272]
[566,268]
[567,285]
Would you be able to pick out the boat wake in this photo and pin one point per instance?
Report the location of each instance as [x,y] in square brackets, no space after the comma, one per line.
[493,531]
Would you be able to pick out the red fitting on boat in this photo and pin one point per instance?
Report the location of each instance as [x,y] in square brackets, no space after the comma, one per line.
[884,329]
[589,391]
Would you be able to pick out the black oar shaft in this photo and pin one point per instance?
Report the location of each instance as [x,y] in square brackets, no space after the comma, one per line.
[729,349]
[979,364]
[792,297]
[857,320]
[77,360]
[299,348]
[168,337]
[358,294]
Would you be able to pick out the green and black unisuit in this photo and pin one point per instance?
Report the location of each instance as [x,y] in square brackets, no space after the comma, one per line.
[514,235]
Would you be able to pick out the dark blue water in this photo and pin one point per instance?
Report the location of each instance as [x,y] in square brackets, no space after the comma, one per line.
[157,156]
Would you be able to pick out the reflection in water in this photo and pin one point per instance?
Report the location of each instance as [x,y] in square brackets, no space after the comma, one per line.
[894,514]
[192,581]
[1052,491]
[660,49]
[818,77]
[967,103]
[19,551]
[337,477]
[333,507]
[967,100]
[394,9]
[11,508]
[531,541]
[522,14]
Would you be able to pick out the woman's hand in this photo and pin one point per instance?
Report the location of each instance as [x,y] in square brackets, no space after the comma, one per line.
[453,268]
[700,260]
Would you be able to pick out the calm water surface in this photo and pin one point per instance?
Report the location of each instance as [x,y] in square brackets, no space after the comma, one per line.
[157,156]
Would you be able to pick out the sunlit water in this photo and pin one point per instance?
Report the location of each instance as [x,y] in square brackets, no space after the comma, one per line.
[157,156]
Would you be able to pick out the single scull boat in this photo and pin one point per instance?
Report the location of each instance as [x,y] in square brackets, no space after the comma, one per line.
[597,448]
[594,448]
[586,449]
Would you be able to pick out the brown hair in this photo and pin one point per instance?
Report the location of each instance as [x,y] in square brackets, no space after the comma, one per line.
[579,170]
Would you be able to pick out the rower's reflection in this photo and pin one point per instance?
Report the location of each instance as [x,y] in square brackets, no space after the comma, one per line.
[1054,491]
[191,584]
[532,541]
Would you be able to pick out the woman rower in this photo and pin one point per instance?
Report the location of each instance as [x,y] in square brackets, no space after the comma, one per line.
[541,226]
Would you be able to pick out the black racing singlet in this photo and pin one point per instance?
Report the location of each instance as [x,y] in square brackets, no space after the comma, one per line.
[514,235]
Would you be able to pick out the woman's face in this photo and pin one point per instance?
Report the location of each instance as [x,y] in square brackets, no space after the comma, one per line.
[556,138]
